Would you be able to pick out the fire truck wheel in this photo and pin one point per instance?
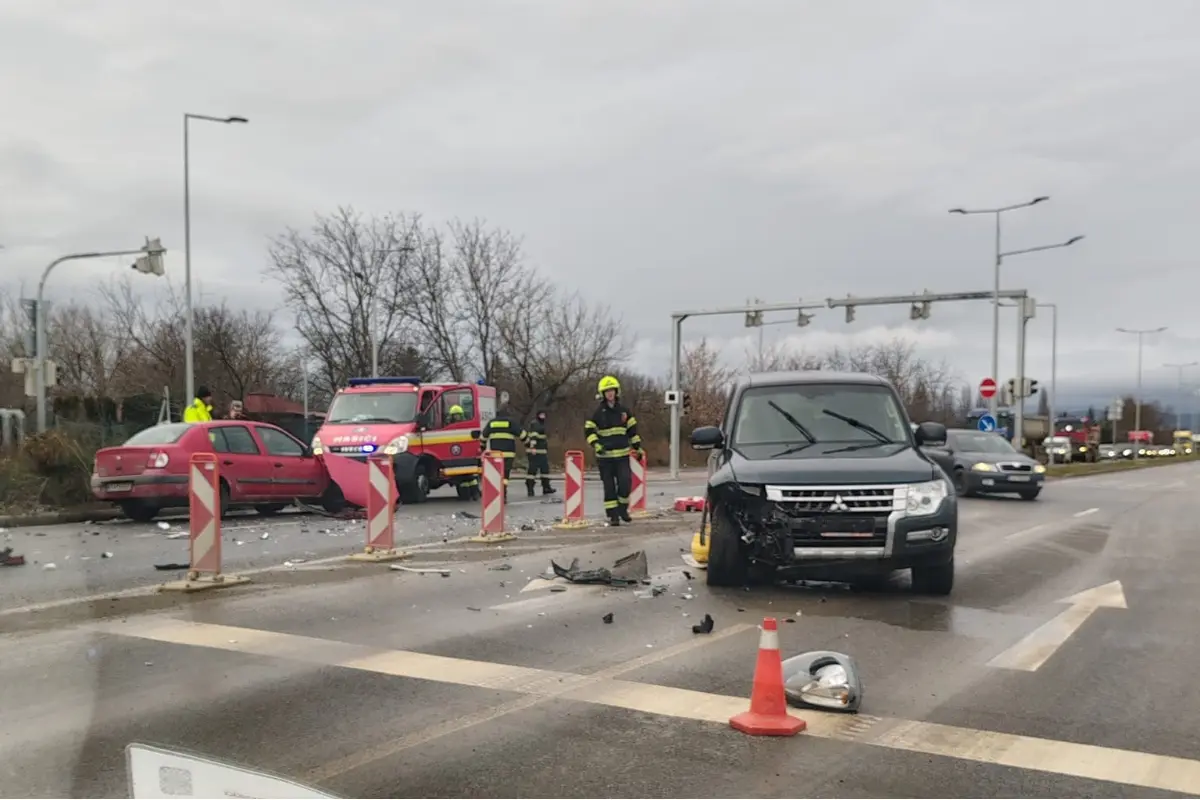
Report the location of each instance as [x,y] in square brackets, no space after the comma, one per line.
[417,489]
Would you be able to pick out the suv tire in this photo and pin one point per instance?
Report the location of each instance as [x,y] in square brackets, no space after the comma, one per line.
[1031,494]
[727,564]
[935,579]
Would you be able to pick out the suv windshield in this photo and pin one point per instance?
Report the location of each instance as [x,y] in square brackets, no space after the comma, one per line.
[373,407]
[827,412]
[160,434]
[981,443]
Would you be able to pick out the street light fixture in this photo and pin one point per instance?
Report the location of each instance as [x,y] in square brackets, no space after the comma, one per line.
[1182,395]
[373,312]
[999,257]
[1137,414]
[188,340]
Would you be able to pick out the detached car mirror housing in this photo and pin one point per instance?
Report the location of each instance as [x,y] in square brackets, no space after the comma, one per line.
[475,434]
[709,437]
[931,433]
[823,679]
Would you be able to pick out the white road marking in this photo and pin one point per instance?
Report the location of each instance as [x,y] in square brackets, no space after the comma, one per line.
[1029,654]
[1148,770]
[1085,512]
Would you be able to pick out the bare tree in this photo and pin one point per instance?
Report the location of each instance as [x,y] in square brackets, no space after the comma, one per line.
[552,341]
[341,276]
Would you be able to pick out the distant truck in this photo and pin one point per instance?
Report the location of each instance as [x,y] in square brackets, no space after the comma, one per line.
[1184,442]
[1083,434]
[1036,428]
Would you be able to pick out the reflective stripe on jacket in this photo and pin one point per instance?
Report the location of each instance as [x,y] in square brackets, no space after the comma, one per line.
[612,431]
[536,443]
[501,435]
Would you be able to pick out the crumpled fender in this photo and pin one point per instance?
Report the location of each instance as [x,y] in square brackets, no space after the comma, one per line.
[351,477]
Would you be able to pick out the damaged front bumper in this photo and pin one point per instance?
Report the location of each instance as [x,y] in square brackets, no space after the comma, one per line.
[846,529]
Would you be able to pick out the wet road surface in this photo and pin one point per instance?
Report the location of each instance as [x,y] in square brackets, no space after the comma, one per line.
[92,558]
[370,682]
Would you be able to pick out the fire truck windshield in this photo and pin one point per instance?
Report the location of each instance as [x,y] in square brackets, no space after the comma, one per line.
[368,407]
[1069,424]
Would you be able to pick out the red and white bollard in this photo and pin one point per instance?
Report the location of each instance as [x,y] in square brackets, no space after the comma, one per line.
[637,485]
[573,493]
[491,485]
[204,528]
[381,512]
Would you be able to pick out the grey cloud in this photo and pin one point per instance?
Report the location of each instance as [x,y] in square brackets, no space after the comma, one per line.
[653,156]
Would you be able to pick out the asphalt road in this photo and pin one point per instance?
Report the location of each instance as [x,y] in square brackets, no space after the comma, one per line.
[69,561]
[369,682]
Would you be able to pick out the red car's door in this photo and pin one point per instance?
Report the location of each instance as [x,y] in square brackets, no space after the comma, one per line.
[295,473]
[241,462]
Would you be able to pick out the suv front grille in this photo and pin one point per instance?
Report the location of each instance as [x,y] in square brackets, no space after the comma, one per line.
[1014,466]
[837,516]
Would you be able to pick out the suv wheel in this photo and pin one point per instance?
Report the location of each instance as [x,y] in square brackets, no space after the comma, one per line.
[960,483]
[1031,494]
[727,563]
[935,579]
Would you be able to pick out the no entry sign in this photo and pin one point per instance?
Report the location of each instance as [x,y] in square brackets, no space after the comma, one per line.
[987,388]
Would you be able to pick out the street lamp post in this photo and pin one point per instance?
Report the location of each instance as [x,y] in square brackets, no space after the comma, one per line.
[1137,413]
[373,311]
[188,343]
[1182,395]
[151,263]
[993,401]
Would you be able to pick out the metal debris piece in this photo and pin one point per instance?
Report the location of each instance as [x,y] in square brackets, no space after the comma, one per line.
[607,618]
[106,554]
[704,626]
[164,526]
[172,567]
[445,573]
[178,535]
[500,567]
[265,535]
[629,570]
[557,589]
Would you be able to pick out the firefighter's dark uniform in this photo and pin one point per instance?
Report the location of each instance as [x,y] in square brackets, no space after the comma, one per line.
[500,436]
[612,432]
[468,486]
[538,452]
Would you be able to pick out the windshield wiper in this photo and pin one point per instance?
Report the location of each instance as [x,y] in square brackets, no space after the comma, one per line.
[797,424]
[854,423]
[796,448]
[860,447]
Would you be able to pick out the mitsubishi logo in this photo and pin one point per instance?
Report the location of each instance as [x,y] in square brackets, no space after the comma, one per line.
[838,504]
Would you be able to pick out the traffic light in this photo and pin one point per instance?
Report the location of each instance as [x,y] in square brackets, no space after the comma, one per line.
[1012,387]
[849,314]
[803,319]
[919,311]
[687,403]
[1032,387]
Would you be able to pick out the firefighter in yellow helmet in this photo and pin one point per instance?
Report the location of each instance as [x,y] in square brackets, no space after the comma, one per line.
[612,432]
[500,436]
[468,487]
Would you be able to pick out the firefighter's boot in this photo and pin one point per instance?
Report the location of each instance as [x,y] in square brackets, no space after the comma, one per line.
[547,488]
[529,487]
[623,512]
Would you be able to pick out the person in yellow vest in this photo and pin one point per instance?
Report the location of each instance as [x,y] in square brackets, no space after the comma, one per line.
[201,408]
[612,432]
[470,484]
[500,436]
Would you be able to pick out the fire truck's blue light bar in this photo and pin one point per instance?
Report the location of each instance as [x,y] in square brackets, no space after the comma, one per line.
[408,381]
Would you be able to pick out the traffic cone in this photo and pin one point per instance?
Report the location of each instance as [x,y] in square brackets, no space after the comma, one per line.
[768,714]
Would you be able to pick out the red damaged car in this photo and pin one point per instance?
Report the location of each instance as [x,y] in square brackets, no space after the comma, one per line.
[260,465]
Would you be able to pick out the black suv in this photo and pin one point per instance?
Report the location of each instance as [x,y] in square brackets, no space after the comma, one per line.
[818,475]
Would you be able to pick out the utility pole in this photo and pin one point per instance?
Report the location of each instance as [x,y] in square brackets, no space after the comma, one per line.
[1137,409]
[1183,400]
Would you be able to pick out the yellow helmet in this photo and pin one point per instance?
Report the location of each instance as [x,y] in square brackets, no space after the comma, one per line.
[608,382]
[457,410]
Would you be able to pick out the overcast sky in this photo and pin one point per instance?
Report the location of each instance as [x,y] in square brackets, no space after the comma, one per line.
[654,154]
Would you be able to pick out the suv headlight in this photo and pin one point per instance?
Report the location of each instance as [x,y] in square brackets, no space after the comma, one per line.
[926,498]
[1040,468]
[396,446]
[983,467]
[316,446]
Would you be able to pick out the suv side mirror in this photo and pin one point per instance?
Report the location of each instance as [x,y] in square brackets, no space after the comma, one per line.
[708,438]
[933,433]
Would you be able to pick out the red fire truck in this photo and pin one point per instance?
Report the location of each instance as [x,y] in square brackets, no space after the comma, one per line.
[409,420]
[1084,436]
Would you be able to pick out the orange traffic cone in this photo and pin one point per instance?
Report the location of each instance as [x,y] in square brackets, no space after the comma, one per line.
[768,714]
